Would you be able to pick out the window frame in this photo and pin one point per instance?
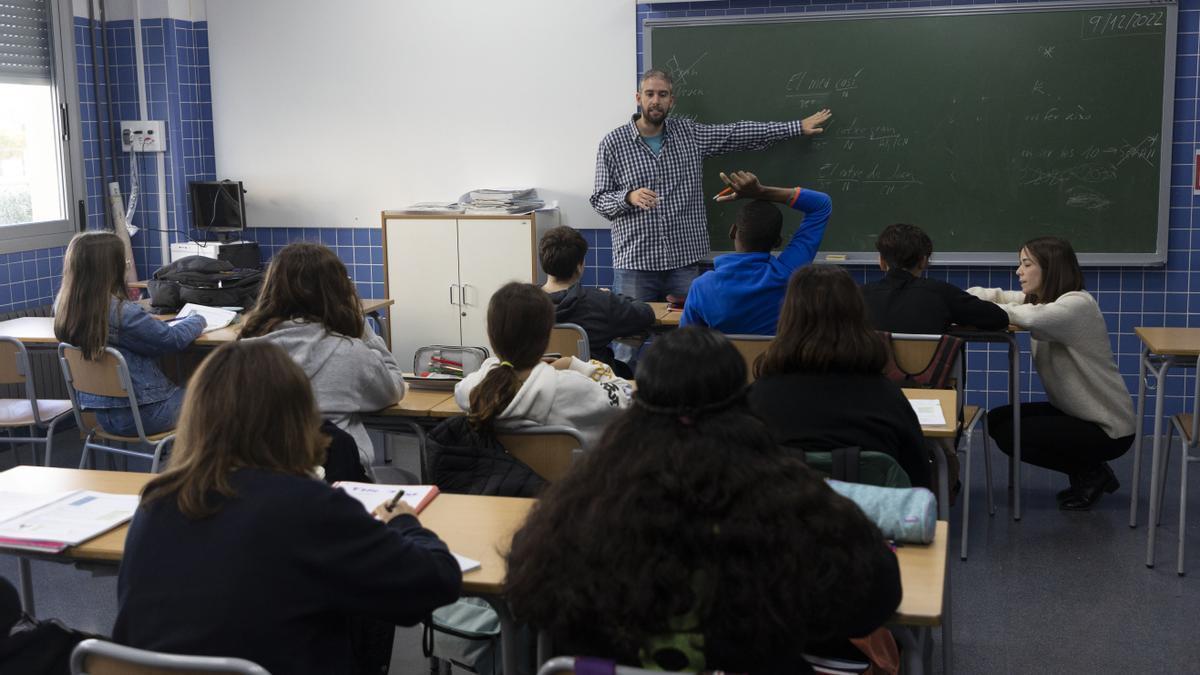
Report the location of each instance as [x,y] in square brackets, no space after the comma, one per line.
[52,233]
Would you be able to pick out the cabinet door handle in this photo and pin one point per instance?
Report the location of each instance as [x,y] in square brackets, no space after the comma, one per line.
[452,287]
[462,295]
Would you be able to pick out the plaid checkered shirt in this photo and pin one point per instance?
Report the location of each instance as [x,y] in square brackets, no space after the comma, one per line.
[674,233]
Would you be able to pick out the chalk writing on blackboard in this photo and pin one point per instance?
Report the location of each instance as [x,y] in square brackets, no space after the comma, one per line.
[1123,23]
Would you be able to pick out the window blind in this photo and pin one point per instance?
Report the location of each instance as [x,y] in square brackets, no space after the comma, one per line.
[24,42]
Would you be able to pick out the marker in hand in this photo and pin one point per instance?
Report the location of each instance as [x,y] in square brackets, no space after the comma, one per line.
[723,193]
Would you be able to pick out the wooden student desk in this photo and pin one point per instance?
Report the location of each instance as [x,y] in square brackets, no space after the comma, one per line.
[664,316]
[1162,349]
[39,330]
[477,527]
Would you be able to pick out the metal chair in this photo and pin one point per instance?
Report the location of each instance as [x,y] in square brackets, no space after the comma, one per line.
[548,450]
[98,657]
[751,347]
[17,413]
[1188,427]
[569,339]
[107,376]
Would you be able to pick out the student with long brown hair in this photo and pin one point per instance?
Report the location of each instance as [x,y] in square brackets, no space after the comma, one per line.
[93,311]
[309,306]
[1088,420]
[515,387]
[820,384]
[237,550]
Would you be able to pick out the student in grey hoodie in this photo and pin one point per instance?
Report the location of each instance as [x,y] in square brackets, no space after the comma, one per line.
[309,307]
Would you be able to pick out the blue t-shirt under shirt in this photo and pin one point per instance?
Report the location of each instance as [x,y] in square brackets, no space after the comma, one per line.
[655,143]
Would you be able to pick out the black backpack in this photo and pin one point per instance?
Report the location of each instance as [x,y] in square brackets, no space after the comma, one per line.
[204,281]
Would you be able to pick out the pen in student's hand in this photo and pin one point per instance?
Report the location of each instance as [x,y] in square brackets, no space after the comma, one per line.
[724,193]
[392,503]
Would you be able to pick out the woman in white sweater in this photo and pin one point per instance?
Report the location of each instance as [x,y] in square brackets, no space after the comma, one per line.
[516,388]
[1088,420]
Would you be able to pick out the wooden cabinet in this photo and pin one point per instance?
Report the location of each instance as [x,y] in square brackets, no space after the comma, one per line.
[443,270]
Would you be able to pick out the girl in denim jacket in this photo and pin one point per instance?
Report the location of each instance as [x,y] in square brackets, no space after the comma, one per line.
[92,312]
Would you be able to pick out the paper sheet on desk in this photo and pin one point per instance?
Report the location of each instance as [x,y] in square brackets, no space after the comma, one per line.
[466,564]
[214,317]
[929,411]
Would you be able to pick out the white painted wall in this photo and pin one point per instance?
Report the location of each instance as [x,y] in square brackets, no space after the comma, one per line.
[334,111]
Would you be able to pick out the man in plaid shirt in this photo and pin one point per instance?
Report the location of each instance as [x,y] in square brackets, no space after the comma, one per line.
[648,175]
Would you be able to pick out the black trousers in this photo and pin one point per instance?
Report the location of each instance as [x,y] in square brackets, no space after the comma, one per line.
[1054,440]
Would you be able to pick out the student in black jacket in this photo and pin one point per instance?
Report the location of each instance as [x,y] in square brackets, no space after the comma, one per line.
[820,385]
[904,301]
[603,315]
[237,550]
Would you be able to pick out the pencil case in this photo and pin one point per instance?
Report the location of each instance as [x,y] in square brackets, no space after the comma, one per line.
[907,515]
[441,366]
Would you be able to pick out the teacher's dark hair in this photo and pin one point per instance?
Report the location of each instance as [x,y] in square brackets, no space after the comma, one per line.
[1060,268]
[688,510]
[519,320]
[656,73]
[823,328]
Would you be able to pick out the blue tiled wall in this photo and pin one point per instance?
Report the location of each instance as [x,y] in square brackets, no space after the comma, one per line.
[1129,297]
[179,92]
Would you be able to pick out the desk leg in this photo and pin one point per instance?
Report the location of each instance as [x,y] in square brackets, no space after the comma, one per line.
[943,486]
[544,647]
[508,633]
[1137,438]
[947,630]
[1014,396]
[1156,457]
[25,580]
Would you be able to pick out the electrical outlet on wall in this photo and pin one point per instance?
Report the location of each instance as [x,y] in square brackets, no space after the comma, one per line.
[139,136]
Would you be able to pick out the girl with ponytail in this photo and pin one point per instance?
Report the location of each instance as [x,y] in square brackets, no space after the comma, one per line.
[515,387]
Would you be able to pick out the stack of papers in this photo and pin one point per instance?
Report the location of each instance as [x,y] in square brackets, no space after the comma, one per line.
[929,412]
[49,523]
[433,207]
[215,317]
[501,201]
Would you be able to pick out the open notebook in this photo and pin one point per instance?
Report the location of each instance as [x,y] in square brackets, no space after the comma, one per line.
[215,317]
[51,522]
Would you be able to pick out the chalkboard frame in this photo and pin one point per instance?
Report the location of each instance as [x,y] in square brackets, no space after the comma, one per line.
[1146,259]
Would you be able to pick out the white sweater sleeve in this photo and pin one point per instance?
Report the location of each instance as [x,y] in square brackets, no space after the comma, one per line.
[1057,321]
[997,295]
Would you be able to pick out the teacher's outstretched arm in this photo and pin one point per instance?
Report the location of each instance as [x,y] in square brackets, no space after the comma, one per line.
[718,139]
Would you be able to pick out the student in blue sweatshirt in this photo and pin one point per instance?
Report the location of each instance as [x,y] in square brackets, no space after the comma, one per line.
[743,293]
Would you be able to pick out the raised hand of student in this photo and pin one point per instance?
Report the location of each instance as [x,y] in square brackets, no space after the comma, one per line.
[744,184]
[643,198]
[386,511]
[811,125]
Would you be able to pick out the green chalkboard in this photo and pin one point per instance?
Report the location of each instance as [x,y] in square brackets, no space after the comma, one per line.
[986,127]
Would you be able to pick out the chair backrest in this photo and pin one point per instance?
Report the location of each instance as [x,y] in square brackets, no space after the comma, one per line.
[569,339]
[14,361]
[913,352]
[751,347]
[98,657]
[548,450]
[105,376]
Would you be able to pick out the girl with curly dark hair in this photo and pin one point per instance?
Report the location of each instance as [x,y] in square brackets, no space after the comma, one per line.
[687,540]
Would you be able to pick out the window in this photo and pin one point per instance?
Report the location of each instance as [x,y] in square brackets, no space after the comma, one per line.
[41,174]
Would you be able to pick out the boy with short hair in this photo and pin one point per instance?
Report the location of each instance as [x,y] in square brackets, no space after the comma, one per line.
[744,291]
[602,314]
[904,301]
